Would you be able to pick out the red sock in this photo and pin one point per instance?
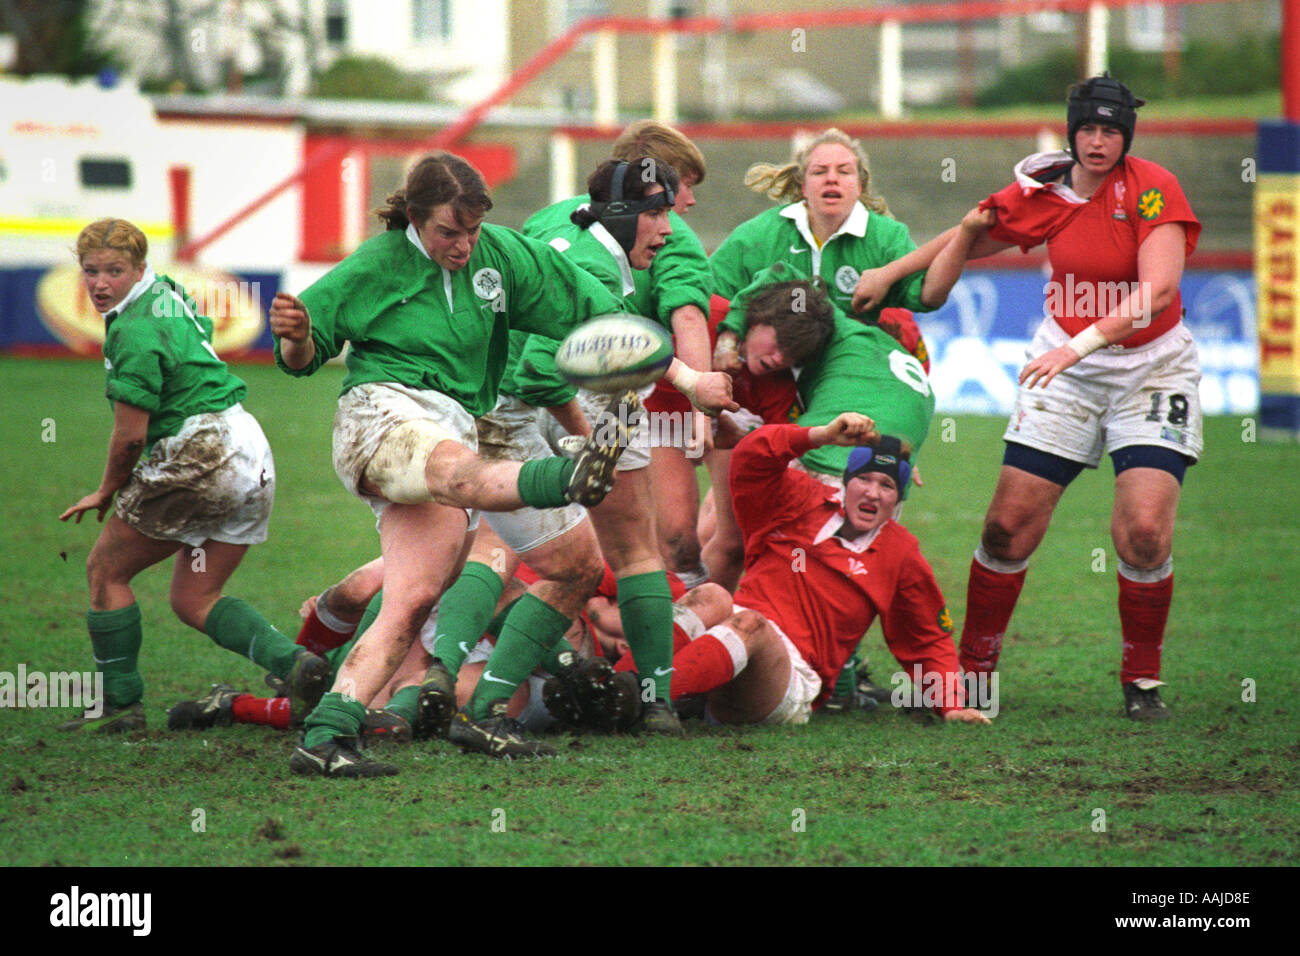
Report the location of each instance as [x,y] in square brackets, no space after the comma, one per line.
[267,711]
[704,666]
[318,638]
[990,599]
[680,643]
[1143,611]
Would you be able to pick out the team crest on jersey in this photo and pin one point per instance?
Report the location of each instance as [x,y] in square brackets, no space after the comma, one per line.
[487,283]
[1151,203]
[945,620]
[846,279]
[1119,212]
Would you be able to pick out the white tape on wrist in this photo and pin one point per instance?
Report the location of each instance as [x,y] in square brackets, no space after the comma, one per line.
[1087,342]
[686,381]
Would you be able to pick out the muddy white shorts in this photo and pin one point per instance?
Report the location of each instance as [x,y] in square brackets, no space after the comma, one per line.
[214,480]
[368,413]
[1114,398]
[804,685]
[513,431]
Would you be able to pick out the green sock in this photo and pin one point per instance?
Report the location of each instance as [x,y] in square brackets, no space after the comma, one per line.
[542,481]
[115,639]
[464,613]
[237,627]
[528,633]
[337,715]
[560,657]
[405,703]
[848,678]
[646,605]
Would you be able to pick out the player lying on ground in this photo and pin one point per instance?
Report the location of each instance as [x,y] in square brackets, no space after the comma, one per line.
[819,568]
[203,491]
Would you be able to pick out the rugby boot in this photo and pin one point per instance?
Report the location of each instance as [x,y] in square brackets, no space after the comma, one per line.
[593,466]
[214,709]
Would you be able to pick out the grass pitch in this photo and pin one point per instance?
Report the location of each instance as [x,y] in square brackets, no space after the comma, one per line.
[1217,785]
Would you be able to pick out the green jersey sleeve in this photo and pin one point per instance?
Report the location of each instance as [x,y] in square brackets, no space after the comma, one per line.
[550,294]
[678,276]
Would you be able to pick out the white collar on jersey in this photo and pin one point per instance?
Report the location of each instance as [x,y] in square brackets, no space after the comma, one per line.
[855,225]
[414,236]
[137,290]
[1036,163]
[836,521]
[614,249]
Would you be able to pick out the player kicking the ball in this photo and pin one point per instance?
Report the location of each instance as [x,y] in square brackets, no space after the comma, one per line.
[427,307]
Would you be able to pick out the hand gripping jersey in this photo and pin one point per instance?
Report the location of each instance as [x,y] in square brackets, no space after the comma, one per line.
[862,369]
[866,240]
[1092,243]
[824,591]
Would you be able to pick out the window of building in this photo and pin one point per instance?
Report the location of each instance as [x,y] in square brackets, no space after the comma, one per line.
[336,22]
[105,173]
[431,19]
[1146,27]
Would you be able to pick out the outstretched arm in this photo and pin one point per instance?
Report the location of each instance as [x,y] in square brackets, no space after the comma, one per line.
[130,427]
[945,270]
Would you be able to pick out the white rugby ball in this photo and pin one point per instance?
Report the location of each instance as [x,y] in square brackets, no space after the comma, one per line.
[612,353]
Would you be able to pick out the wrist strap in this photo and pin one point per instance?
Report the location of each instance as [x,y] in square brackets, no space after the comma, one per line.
[1087,342]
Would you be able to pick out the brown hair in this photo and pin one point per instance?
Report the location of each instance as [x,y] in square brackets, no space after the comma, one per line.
[663,144]
[785,183]
[117,234]
[799,312]
[436,180]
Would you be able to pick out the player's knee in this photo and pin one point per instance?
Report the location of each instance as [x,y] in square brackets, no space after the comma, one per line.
[710,602]
[582,576]
[1145,543]
[997,539]
[192,609]
[747,624]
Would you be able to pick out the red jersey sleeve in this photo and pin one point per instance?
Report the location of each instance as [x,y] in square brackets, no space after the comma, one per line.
[763,495]
[918,629]
[1157,199]
[1028,220]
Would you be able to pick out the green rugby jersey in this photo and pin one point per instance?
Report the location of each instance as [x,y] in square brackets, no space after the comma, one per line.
[863,369]
[159,357]
[414,323]
[867,240]
[678,276]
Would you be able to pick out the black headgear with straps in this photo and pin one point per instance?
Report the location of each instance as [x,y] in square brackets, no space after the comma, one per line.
[887,457]
[1102,99]
[619,214]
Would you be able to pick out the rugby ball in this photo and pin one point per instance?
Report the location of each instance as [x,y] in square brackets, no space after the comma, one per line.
[612,353]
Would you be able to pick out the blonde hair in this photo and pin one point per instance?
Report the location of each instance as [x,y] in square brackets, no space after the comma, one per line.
[663,144]
[116,234]
[785,183]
